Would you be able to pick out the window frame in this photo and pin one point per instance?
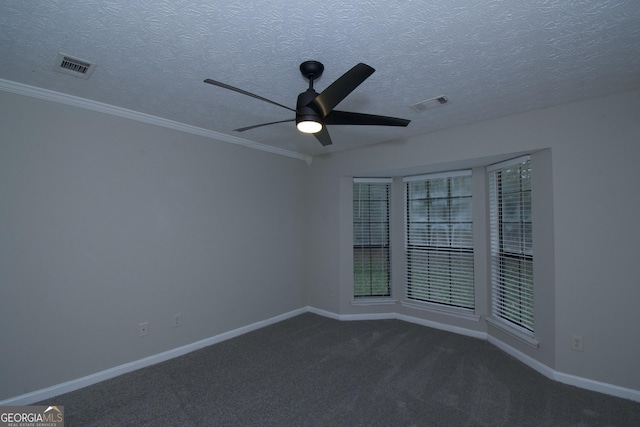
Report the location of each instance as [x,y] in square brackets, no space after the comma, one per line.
[459,301]
[508,288]
[378,296]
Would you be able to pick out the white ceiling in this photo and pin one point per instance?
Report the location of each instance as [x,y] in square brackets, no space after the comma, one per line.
[490,58]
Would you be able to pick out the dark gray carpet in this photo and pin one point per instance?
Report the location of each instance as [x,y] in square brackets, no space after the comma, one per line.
[314,371]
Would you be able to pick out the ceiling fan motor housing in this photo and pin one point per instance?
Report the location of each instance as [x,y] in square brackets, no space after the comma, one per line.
[304,112]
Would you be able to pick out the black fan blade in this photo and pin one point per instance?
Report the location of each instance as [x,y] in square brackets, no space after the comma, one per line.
[244,92]
[338,90]
[263,124]
[347,118]
[323,136]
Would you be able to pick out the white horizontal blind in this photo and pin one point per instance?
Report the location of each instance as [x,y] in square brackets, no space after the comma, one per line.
[511,243]
[371,252]
[439,239]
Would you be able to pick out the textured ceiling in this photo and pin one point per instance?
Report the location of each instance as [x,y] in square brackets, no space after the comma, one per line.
[490,58]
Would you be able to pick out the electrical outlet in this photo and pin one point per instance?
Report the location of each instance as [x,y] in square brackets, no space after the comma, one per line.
[143,329]
[177,320]
[576,343]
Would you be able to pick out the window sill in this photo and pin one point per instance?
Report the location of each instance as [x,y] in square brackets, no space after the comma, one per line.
[374,301]
[435,308]
[525,338]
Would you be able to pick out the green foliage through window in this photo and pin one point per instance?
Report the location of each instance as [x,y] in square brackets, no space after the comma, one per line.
[371,253]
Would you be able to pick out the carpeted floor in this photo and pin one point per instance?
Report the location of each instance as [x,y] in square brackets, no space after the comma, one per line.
[314,371]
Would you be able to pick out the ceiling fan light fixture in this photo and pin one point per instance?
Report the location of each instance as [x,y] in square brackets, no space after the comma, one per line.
[309,126]
[314,110]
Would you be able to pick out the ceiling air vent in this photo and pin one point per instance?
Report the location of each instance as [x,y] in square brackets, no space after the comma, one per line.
[430,103]
[74,66]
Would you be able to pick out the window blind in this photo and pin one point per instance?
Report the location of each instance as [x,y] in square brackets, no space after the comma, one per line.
[371,252]
[512,243]
[439,239]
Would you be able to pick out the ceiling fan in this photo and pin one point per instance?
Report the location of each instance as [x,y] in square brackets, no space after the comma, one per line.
[314,111]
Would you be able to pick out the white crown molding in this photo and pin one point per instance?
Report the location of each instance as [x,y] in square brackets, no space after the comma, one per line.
[74,101]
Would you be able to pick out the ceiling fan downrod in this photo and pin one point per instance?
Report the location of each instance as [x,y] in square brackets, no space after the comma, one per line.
[311,70]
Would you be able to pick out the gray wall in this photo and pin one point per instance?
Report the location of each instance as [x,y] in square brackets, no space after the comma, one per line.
[107,222]
[586,232]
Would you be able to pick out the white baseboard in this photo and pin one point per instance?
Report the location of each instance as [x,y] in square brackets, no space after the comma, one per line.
[397,316]
[66,387]
[323,313]
[593,385]
[543,369]
[443,326]
[527,360]
[585,383]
